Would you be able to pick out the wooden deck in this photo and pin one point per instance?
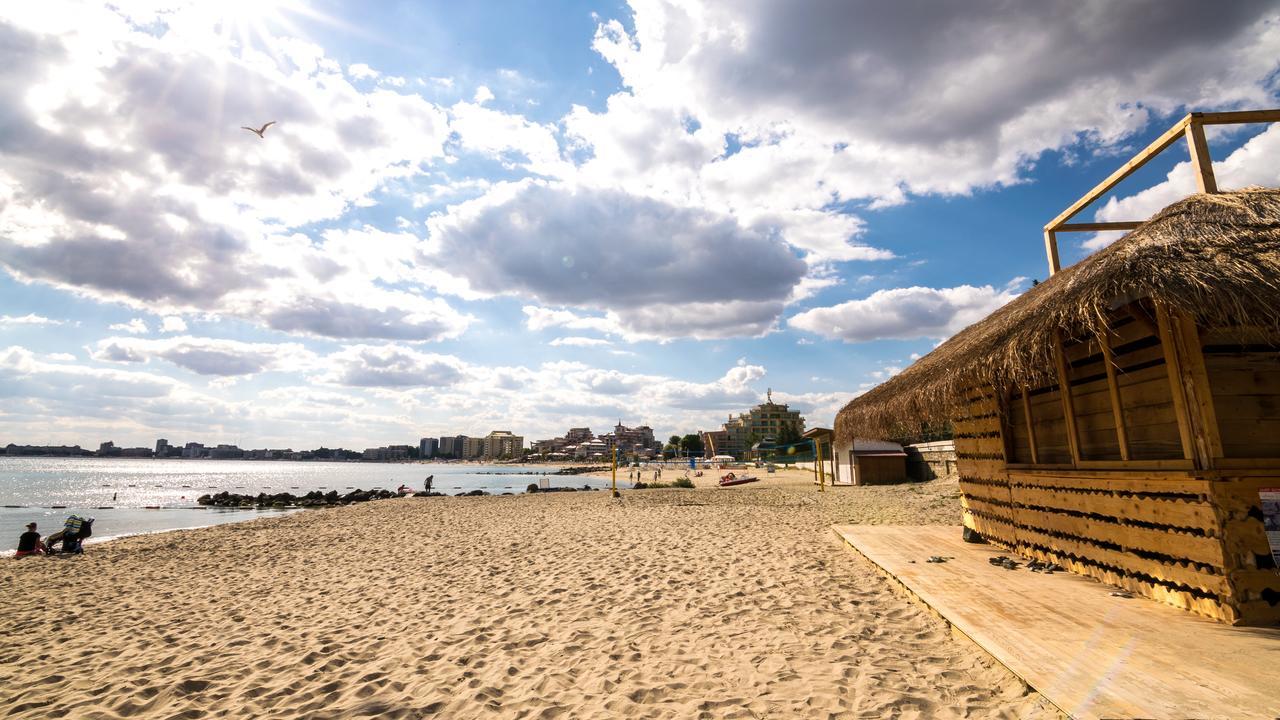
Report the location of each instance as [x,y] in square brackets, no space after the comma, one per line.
[1089,653]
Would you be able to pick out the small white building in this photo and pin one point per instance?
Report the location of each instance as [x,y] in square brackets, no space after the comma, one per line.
[869,462]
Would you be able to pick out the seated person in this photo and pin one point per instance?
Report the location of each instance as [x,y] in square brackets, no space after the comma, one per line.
[29,542]
[73,532]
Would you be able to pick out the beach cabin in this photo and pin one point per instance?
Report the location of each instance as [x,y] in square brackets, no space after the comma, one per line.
[1122,418]
[859,461]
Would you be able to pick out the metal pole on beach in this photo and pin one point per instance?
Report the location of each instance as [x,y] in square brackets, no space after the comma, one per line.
[615,472]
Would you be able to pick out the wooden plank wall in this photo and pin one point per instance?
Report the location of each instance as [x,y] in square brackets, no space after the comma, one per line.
[1157,523]
[980,460]
[874,470]
[1252,572]
[1243,368]
[1091,399]
[1156,533]
[1244,377]
[1141,372]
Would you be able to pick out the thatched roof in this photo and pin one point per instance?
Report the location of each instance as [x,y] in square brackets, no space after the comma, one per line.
[1216,257]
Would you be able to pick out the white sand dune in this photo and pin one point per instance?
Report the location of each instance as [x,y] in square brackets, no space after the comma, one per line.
[671,604]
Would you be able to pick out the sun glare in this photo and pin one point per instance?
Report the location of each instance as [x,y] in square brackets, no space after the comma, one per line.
[253,24]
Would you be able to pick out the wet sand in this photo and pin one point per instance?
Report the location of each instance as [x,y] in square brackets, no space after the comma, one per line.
[669,604]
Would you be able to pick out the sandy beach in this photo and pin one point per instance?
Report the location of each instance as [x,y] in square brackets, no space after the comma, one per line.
[669,604]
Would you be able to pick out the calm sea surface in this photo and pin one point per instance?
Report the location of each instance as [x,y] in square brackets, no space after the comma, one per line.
[118,492]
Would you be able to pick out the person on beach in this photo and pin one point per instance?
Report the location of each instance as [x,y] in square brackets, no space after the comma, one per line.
[29,542]
[73,533]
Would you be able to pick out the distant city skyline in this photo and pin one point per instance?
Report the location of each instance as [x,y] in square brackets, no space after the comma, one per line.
[536,216]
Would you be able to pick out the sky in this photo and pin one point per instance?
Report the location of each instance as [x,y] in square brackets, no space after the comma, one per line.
[536,215]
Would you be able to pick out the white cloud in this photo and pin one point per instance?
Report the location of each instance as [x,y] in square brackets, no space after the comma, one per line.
[906,313]
[579,341]
[391,315]
[794,121]
[173,323]
[207,356]
[543,401]
[360,71]
[391,366]
[943,101]
[516,140]
[661,270]
[170,207]
[136,326]
[483,95]
[57,399]
[819,407]
[28,319]
[541,318]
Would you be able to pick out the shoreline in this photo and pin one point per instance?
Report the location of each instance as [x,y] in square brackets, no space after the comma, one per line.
[95,540]
[665,604]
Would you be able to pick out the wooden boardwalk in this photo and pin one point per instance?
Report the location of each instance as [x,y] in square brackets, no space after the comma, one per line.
[1091,654]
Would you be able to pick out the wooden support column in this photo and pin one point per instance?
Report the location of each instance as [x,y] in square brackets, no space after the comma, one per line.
[1031,426]
[1189,380]
[1189,384]
[1068,403]
[1117,409]
[1051,249]
[1001,400]
[1174,369]
[818,476]
[1201,163]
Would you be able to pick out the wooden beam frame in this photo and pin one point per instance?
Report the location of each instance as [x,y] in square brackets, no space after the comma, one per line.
[1174,367]
[1001,400]
[1068,403]
[1189,127]
[1051,250]
[1031,426]
[1239,117]
[1193,386]
[1097,226]
[1166,139]
[1199,390]
[1201,162]
[1113,386]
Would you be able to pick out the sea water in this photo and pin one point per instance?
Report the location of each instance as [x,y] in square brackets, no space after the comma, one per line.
[133,496]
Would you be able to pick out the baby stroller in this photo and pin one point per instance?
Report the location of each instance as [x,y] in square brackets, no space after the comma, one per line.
[72,536]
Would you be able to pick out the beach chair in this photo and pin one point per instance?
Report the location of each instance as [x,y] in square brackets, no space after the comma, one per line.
[74,532]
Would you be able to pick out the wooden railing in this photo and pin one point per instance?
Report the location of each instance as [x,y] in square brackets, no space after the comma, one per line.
[1192,128]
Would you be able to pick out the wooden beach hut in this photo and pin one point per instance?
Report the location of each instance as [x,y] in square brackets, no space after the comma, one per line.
[1122,419]
[860,461]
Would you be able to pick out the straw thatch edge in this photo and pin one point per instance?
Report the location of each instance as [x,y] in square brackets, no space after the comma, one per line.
[1215,257]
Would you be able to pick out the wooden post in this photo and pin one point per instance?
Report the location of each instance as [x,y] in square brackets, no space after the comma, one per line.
[1201,163]
[1174,368]
[818,476]
[1191,388]
[1068,403]
[1117,409]
[1051,249]
[1166,139]
[1001,400]
[1197,383]
[1031,425]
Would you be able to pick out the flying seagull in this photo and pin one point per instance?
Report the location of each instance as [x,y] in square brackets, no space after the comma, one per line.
[258,131]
